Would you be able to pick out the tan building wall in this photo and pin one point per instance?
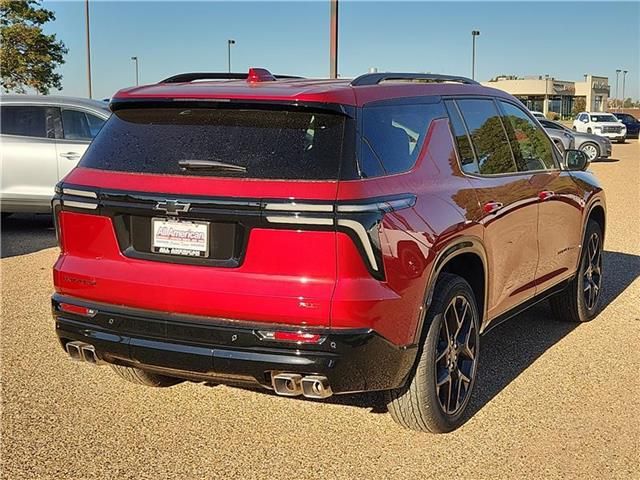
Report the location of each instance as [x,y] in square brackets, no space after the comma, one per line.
[556,95]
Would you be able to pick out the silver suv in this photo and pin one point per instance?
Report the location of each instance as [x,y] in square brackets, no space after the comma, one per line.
[42,139]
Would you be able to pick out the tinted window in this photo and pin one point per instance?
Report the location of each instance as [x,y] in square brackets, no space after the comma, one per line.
[95,124]
[28,121]
[488,136]
[268,143]
[531,148]
[395,134]
[467,158]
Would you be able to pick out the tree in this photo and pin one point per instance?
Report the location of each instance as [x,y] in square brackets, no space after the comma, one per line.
[28,57]
[579,105]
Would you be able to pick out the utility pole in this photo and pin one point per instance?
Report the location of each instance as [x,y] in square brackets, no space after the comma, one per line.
[333,40]
[624,76]
[86,15]
[229,43]
[616,99]
[474,34]
[135,59]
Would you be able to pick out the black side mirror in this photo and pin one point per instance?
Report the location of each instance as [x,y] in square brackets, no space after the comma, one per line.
[575,160]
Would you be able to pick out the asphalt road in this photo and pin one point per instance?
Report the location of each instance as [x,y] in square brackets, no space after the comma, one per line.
[553,400]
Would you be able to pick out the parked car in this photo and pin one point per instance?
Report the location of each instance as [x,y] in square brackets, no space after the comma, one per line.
[537,114]
[562,140]
[43,137]
[631,122]
[603,124]
[318,237]
[594,146]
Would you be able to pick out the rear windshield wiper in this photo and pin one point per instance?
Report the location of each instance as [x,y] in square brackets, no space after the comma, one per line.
[210,165]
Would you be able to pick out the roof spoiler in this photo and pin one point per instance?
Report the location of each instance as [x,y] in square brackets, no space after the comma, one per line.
[376,78]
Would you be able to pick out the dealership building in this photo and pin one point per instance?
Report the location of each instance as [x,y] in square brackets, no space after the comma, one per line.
[546,94]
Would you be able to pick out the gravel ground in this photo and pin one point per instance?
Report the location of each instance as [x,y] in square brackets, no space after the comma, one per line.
[553,400]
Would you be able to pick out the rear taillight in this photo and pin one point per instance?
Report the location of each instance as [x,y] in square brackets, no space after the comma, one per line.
[299,337]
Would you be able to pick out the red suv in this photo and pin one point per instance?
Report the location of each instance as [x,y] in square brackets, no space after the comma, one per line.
[318,237]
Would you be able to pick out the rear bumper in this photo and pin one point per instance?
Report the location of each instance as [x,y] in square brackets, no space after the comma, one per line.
[231,352]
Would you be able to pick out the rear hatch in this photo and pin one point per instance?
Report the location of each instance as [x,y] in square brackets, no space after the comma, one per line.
[212,209]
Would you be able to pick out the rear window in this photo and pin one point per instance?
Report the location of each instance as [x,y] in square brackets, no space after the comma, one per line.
[269,144]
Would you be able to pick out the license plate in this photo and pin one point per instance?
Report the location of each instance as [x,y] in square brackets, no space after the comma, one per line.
[180,237]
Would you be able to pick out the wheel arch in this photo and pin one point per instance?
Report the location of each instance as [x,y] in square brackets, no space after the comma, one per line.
[467,258]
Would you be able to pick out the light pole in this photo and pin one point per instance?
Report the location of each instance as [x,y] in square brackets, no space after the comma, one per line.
[617,73]
[624,75]
[333,39]
[135,59]
[474,34]
[86,16]
[229,43]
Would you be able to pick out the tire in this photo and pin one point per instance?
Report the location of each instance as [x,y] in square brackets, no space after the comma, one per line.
[420,404]
[591,149]
[575,304]
[142,377]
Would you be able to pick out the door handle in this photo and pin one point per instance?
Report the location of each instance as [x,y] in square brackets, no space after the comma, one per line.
[545,195]
[70,155]
[492,207]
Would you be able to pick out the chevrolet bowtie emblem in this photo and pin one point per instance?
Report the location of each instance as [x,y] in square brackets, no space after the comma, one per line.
[173,207]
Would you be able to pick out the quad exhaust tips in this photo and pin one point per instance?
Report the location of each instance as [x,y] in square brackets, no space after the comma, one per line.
[294,384]
[83,352]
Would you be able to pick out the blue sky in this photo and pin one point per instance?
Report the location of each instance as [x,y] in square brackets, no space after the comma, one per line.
[564,40]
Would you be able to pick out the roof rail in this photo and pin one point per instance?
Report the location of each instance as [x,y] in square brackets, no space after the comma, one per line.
[376,78]
[190,77]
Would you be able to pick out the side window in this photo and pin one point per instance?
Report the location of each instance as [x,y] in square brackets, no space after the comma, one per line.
[488,136]
[28,121]
[467,158]
[394,135]
[531,147]
[77,125]
[95,124]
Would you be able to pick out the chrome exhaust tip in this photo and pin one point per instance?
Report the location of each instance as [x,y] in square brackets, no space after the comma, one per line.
[74,350]
[316,386]
[89,354]
[287,384]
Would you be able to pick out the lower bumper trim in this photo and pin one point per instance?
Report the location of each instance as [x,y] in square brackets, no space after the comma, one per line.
[352,360]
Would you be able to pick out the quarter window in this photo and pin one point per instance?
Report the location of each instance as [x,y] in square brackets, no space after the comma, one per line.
[28,121]
[465,151]
[488,136]
[394,134]
[79,125]
[531,148]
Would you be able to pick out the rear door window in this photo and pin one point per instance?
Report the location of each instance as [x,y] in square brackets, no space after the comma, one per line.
[531,147]
[269,144]
[488,136]
[28,121]
[79,125]
[393,136]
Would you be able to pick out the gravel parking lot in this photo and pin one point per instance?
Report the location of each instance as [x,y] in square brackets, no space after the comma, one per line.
[553,400]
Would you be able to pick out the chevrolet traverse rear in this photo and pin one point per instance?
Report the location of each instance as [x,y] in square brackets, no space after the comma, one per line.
[317,237]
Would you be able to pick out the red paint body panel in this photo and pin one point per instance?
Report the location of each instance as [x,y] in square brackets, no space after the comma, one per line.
[208,186]
[290,285]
